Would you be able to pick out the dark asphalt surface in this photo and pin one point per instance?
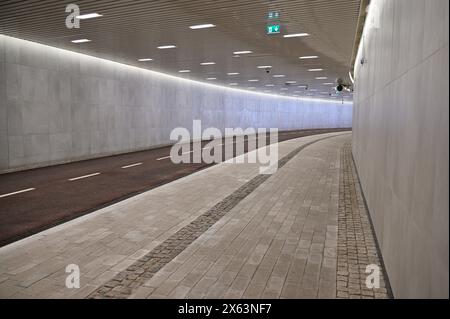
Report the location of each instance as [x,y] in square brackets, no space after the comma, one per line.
[56,199]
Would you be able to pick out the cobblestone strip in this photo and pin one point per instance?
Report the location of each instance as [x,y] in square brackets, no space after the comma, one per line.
[123,284]
[357,246]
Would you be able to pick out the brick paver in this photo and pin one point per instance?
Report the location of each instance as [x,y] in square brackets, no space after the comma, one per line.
[106,242]
[123,284]
[280,241]
[356,240]
[226,232]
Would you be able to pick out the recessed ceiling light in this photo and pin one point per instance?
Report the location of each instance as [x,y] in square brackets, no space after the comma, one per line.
[145,60]
[279,76]
[232,84]
[88,16]
[207,63]
[306,57]
[315,70]
[295,35]
[253,80]
[170,46]
[233,73]
[242,52]
[264,66]
[202,26]
[270,84]
[80,41]
[291,82]
[321,78]
[184,71]
[210,79]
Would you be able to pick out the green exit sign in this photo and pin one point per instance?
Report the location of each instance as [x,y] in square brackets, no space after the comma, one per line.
[273,28]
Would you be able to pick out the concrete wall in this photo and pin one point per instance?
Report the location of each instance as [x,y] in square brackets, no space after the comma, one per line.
[58,106]
[400,140]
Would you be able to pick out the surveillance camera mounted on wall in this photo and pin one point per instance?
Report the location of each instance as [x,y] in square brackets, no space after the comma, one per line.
[341,86]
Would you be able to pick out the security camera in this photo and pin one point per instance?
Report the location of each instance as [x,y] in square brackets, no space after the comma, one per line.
[268,70]
[341,86]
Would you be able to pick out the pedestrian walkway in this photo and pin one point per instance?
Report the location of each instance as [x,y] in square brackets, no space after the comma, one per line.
[224,232]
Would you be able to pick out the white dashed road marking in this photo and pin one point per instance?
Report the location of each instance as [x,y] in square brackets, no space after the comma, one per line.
[161,158]
[84,176]
[18,192]
[132,165]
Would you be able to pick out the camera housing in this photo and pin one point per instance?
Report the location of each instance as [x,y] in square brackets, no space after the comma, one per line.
[268,70]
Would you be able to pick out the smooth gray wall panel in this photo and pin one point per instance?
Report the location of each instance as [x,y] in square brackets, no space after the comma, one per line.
[59,106]
[400,141]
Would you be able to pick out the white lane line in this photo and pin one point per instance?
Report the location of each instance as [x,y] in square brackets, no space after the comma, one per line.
[84,176]
[18,192]
[132,165]
[161,158]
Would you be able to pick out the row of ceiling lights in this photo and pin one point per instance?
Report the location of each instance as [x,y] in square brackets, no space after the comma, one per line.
[235,54]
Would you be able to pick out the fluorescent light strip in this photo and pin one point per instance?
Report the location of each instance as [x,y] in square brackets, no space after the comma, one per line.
[184,71]
[306,57]
[80,41]
[253,80]
[315,70]
[232,84]
[170,46]
[321,78]
[291,82]
[88,16]
[210,79]
[264,66]
[279,76]
[145,60]
[295,35]
[328,83]
[270,84]
[207,63]
[233,73]
[242,52]
[202,26]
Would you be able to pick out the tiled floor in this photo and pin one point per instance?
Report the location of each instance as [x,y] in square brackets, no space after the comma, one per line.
[280,240]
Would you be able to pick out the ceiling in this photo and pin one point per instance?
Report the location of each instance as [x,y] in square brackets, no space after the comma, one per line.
[132,30]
